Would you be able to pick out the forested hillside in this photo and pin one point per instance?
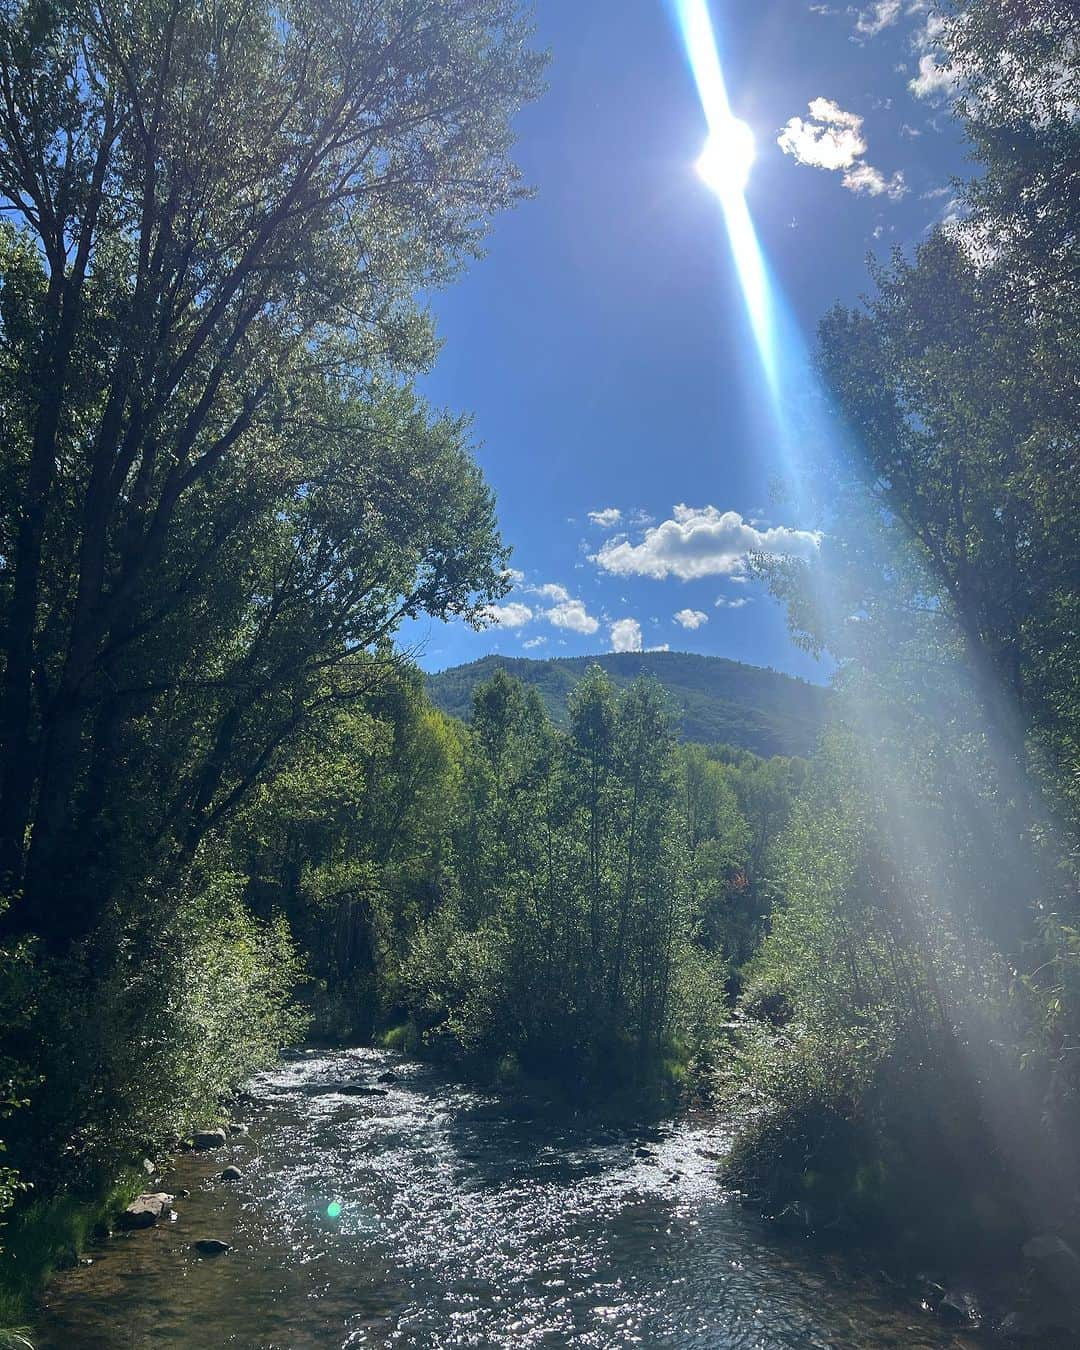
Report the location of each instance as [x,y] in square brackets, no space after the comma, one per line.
[715,701]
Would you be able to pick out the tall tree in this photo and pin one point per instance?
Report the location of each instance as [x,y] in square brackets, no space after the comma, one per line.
[221,490]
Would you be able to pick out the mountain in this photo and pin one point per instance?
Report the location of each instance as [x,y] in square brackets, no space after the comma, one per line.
[717,700]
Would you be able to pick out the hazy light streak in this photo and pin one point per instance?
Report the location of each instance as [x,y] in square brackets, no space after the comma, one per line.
[703,55]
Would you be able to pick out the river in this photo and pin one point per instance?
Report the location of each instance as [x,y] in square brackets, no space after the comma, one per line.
[464,1221]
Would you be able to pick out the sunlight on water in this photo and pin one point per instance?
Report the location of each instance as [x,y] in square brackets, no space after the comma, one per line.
[464,1222]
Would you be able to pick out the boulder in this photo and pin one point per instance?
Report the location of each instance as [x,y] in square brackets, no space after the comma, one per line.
[388,1077]
[212,1247]
[207,1139]
[232,1174]
[1052,1262]
[145,1210]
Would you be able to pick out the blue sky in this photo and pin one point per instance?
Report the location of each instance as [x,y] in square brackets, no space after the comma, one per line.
[602,346]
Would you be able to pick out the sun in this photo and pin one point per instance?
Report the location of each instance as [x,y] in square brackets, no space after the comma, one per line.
[726,161]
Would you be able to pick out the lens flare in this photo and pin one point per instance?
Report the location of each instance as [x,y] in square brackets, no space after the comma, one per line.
[333,1210]
[725,165]
[808,434]
[726,161]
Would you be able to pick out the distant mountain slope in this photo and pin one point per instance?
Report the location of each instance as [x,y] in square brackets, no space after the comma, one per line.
[718,700]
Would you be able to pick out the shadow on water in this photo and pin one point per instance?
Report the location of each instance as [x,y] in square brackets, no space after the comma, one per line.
[463,1222]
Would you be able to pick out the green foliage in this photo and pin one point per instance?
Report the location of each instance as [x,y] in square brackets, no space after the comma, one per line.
[911,1015]
[220,494]
[156,1022]
[591,867]
[713,700]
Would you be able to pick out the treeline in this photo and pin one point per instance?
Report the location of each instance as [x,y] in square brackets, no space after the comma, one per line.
[571,904]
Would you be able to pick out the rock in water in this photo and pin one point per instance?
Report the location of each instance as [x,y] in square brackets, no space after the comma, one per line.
[145,1210]
[207,1139]
[212,1247]
[232,1174]
[1052,1261]
[388,1077]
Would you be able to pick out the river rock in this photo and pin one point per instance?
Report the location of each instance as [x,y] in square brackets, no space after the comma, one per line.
[959,1308]
[1053,1262]
[207,1139]
[145,1210]
[149,1166]
[232,1173]
[212,1247]
[388,1077]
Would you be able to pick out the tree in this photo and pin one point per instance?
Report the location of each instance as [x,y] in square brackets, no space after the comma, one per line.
[222,489]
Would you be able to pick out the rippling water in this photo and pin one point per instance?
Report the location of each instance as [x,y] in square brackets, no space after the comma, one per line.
[463,1222]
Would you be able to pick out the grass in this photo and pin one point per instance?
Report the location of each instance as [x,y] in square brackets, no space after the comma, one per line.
[44,1236]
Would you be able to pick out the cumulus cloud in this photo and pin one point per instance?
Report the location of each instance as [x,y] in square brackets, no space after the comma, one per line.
[933,80]
[534,642]
[573,615]
[626,635]
[864,177]
[722,602]
[607,517]
[832,139]
[883,14]
[551,590]
[691,618]
[512,615]
[700,542]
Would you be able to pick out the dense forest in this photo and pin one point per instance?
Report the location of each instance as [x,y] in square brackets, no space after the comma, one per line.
[231,814]
[715,701]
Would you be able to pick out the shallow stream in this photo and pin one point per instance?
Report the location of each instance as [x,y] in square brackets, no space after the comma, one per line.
[464,1221]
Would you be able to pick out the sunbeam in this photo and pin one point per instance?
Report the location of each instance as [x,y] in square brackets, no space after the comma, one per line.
[725,165]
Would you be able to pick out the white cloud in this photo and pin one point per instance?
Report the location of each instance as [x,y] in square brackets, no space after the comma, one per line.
[660,647]
[932,81]
[609,516]
[865,178]
[513,576]
[691,618]
[883,14]
[832,139]
[573,615]
[534,642]
[722,602]
[700,542]
[513,615]
[626,635]
[551,590]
